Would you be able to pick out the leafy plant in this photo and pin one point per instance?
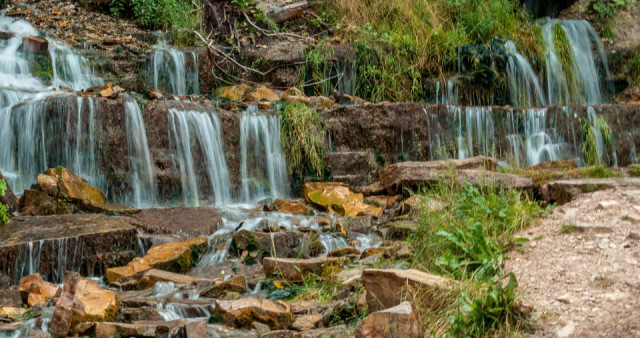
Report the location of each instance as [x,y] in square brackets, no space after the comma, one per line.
[4,209]
[315,70]
[605,10]
[302,135]
[497,310]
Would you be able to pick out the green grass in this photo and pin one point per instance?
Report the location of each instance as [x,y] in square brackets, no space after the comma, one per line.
[302,135]
[467,241]
[4,209]
[597,172]
[567,229]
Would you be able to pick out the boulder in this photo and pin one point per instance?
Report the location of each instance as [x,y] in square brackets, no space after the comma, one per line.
[359,224]
[289,12]
[388,287]
[174,257]
[236,284]
[82,300]
[293,269]
[343,252]
[35,291]
[291,207]
[243,312]
[74,187]
[398,321]
[153,276]
[278,244]
[9,198]
[310,187]
[234,93]
[264,93]
[342,201]
[10,297]
[309,322]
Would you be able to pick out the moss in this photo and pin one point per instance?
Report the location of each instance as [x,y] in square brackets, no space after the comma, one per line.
[565,56]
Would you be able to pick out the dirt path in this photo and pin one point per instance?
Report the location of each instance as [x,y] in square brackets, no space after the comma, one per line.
[584,281]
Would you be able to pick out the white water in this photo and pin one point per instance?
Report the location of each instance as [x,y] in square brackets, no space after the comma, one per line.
[189,129]
[174,71]
[141,175]
[474,129]
[70,69]
[524,86]
[263,168]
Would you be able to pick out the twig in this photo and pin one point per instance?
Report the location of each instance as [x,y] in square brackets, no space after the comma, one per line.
[265,32]
[214,48]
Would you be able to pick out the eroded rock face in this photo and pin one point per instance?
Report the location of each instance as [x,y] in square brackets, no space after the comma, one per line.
[387,287]
[243,312]
[295,269]
[398,321]
[82,300]
[174,257]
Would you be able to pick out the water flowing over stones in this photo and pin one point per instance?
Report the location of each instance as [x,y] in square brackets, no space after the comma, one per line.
[174,71]
[70,69]
[263,168]
[204,130]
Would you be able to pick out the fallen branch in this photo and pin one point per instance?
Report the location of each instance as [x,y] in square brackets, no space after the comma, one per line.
[265,32]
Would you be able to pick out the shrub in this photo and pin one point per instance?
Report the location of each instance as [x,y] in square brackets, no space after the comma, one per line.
[4,209]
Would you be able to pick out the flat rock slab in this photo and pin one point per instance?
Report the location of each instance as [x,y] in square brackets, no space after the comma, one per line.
[50,245]
[186,222]
[565,191]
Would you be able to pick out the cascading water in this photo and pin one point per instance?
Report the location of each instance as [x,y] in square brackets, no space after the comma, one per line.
[70,69]
[263,168]
[190,129]
[474,128]
[174,71]
[524,86]
[141,174]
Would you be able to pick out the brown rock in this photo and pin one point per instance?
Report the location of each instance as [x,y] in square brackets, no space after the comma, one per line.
[382,201]
[295,269]
[278,244]
[35,45]
[141,329]
[402,230]
[291,207]
[387,288]
[234,93]
[151,277]
[9,198]
[309,322]
[34,290]
[264,93]
[10,297]
[74,187]
[399,321]
[174,257]
[564,191]
[412,203]
[320,102]
[556,165]
[236,284]
[264,105]
[193,221]
[344,251]
[310,187]
[243,312]
[82,301]
[156,94]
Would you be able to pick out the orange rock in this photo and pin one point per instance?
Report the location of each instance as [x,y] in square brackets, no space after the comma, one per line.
[35,291]
[74,187]
[341,200]
[310,187]
[174,257]
[264,93]
[234,93]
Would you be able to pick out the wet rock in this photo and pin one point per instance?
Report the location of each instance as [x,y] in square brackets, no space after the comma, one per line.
[153,276]
[236,284]
[141,313]
[35,45]
[192,221]
[82,300]
[264,93]
[279,244]
[340,200]
[9,198]
[234,93]
[110,91]
[386,288]
[295,269]
[361,164]
[243,312]
[223,331]
[564,191]
[399,321]
[359,224]
[174,257]
[292,207]
[87,242]
[35,291]
[264,105]
[402,230]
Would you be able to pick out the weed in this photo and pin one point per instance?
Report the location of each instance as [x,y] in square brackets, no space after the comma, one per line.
[605,10]
[634,171]
[567,229]
[315,70]
[598,172]
[4,209]
[303,139]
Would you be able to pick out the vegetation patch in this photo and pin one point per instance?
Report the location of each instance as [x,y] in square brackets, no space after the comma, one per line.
[4,209]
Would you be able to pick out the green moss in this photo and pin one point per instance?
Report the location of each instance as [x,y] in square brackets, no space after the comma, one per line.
[565,56]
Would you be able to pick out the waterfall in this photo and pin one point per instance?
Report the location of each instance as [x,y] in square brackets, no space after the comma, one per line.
[524,86]
[263,167]
[190,129]
[474,127]
[536,142]
[141,174]
[174,71]
[70,69]
[584,82]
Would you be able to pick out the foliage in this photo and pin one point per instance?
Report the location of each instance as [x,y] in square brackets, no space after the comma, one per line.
[590,152]
[302,135]
[4,209]
[181,17]
[563,50]
[567,229]
[634,171]
[497,309]
[400,42]
[605,10]
[315,70]
[598,172]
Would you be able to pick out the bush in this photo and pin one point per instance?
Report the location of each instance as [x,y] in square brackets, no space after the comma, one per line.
[4,209]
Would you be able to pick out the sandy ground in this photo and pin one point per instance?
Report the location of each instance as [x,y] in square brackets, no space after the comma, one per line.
[584,282]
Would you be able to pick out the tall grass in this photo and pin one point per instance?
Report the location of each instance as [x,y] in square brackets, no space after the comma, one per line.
[302,135]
